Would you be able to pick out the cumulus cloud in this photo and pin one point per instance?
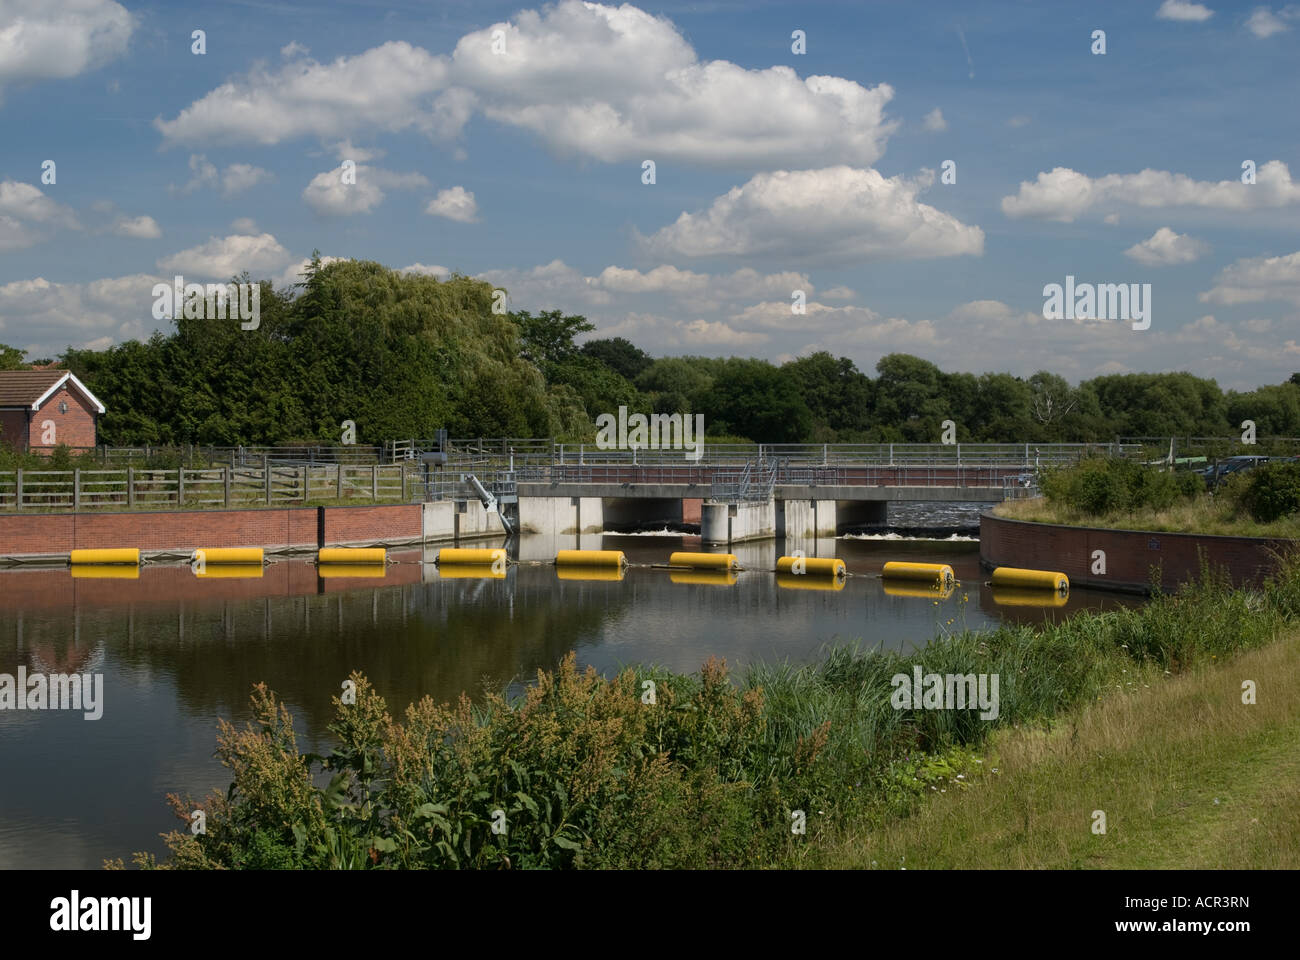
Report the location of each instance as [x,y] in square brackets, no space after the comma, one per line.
[934,121]
[613,83]
[1184,10]
[836,213]
[43,317]
[1063,194]
[244,225]
[1257,279]
[329,195]
[28,216]
[139,228]
[457,204]
[1264,23]
[427,270]
[1164,248]
[293,49]
[234,179]
[240,176]
[58,39]
[224,257]
[742,284]
[293,274]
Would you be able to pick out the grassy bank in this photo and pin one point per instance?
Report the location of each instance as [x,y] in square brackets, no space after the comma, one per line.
[583,771]
[1203,514]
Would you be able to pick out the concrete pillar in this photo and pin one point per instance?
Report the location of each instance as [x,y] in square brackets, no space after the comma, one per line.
[722,523]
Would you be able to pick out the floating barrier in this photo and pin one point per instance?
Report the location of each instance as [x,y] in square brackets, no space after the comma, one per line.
[463,555]
[352,555]
[328,571]
[915,588]
[801,581]
[471,571]
[812,566]
[704,561]
[590,558]
[1031,579]
[105,571]
[1022,597]
[716,578]
[933,572]
[230,571]
[573,571]
[119,555]
[210,555]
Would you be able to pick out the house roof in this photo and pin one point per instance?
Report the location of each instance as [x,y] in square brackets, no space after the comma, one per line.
[28,389]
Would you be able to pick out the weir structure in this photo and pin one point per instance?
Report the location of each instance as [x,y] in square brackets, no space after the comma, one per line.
[742,492]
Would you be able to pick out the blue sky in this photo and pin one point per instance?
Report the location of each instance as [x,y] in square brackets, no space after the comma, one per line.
[775,171]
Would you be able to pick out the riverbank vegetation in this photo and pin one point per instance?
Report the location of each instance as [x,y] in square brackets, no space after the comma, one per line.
[403,355]
[1126,495]
[657,770]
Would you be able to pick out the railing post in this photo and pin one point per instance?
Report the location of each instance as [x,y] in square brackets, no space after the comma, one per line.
[18,488]
[180,487]
[130,487]
[404,494]
[338,480]
[76,488]
[266,475]
[225,484]
[374,482]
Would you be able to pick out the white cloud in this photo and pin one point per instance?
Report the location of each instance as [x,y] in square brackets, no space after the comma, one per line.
[240,176]
[28,216]
[547,286]
[140,228]
[225,257]
[1164,248]
[328,195]
[1257,279]
[934,121]
[293,274]
[293,49]
[244,225]
[57,39]
[43,317]
[1064,194]
[427,270]
[703,288]
[456,204]
[837,213]
[388,88]
[1263,22]
[613,83]
[1184,10]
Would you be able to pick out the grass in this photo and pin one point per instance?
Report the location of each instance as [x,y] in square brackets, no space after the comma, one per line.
[1203,514]
[1188,776]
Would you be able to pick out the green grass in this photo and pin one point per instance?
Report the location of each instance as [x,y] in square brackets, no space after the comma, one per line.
[1204,514]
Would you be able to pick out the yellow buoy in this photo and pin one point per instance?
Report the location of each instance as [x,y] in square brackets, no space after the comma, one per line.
[795,581]
[590,558]
[230,571]
[717,578]
[210,555]
[1031,579]
[455,555]
[915,588]
[119,555]
[812,566]
[328,570]
[902,570]
[352,555]
[574,571]
[475,571]
[704,561]
[1022,597]
[106,571]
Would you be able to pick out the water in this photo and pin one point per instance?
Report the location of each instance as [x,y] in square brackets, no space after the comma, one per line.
[177,653]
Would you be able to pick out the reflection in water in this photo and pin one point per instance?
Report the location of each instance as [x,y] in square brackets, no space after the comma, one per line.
[177,652]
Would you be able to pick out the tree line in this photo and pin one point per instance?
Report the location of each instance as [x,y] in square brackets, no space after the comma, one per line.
[403,355]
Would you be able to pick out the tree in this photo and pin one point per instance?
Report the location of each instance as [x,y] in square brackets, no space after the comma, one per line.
[620,355]
[753,399]
[549,335]
[11,358]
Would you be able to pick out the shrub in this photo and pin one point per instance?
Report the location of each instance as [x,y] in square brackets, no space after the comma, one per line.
[1269,492]
[1102,485]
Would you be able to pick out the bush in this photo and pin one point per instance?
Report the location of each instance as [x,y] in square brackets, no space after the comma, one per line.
[1269,492]
[1102,485]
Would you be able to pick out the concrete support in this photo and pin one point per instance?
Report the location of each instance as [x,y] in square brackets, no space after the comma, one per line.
[806,518]
[459,519]
[737,522]
[561,515]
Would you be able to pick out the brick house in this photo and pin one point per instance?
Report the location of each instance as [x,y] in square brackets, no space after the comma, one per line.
[40,409]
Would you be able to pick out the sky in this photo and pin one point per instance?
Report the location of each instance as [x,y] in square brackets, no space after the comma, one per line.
[864,178]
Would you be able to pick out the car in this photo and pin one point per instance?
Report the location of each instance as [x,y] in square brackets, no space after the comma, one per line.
[1215,474]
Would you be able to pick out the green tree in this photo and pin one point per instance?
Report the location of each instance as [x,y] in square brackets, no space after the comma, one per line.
[622,356]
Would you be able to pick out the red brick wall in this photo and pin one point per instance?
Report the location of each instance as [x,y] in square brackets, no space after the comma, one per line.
[1129,553]
[76,428]
[183,531]
[13,428]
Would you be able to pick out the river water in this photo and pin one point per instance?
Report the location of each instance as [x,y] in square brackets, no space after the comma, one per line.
[176,652]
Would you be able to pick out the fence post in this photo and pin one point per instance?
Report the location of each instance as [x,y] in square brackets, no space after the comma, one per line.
[266,473]
[404,481]
[374,482]
[338,479]
[180,487]
[130,487]
[18,488]
[76,488]
[225,483]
